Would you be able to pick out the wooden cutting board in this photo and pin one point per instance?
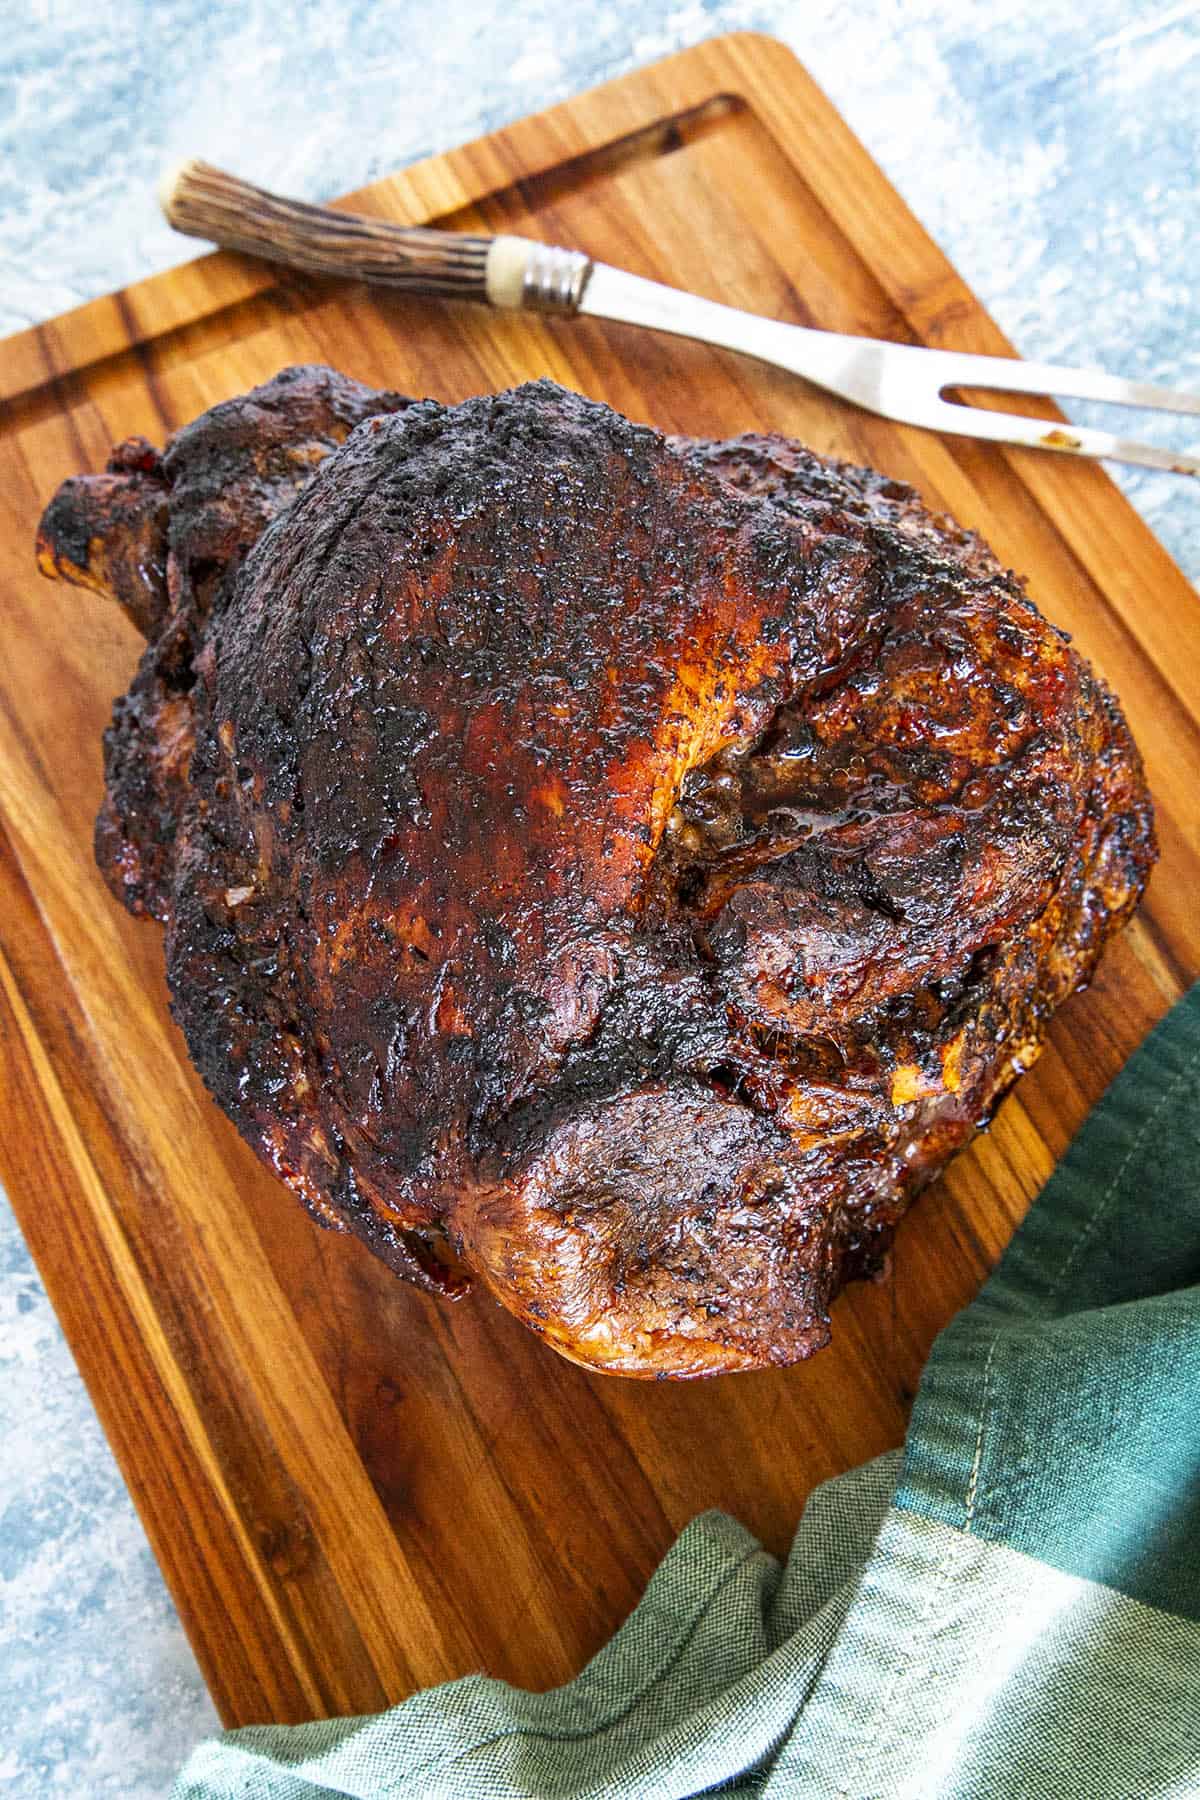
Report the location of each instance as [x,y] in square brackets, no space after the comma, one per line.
[354,1490]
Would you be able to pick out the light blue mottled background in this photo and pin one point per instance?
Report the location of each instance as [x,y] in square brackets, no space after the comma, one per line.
[1050,147]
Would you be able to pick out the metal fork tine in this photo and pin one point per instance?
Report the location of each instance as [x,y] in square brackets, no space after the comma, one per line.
[898,381]
[961,369]
[1045,434]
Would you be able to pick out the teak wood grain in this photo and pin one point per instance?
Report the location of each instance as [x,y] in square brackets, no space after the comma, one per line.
[354,1490]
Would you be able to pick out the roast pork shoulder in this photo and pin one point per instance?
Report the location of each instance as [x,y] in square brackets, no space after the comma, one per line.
[617,869]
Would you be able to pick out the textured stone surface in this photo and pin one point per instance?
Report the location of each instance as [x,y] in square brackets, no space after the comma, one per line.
[1049,148]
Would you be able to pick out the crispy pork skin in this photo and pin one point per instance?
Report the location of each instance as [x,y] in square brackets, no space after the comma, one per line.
[616,868]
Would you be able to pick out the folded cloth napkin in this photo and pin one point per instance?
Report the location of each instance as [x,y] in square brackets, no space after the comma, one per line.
[1008,1607]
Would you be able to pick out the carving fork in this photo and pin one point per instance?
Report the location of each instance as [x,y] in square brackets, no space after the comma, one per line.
[899,381]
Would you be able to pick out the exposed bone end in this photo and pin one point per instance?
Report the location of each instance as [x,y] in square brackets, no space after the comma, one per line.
[108,533]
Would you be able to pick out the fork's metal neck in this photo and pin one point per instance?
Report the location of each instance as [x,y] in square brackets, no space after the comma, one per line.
[554,279]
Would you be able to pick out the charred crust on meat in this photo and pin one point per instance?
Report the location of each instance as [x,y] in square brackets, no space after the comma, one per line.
[616,868]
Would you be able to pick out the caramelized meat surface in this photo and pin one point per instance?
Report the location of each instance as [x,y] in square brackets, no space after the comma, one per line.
[622,870]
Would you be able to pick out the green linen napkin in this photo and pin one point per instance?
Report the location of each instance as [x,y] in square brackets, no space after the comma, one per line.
[1009,1609]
